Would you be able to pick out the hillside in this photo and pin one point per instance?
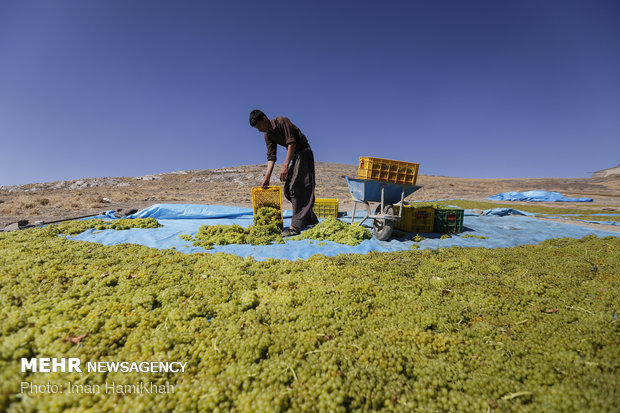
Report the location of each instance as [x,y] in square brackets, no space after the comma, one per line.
[232,186]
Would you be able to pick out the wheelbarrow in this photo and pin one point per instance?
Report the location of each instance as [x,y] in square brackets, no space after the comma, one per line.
[386,194]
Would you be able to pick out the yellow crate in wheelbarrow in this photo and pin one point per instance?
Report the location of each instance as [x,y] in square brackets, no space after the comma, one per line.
[267,197]
[387,170]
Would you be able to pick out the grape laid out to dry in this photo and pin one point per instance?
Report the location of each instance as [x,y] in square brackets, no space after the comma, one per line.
[268,216]
[526,329]
[266,230]
[332,229]
[77,227]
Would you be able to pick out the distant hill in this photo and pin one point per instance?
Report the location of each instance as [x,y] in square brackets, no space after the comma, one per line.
[607,172]
[232,186]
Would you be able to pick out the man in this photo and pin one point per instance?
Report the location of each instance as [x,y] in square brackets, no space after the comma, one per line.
[298,169]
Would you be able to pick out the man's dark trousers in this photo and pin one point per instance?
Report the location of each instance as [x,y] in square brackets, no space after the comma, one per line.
[299,189]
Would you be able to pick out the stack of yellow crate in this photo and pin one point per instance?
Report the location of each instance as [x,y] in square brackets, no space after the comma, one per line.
[387,170]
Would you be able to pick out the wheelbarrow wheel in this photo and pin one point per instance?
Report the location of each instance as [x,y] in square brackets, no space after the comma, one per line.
[383,228]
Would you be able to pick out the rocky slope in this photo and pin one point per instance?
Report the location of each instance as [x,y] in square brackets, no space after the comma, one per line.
[50,201]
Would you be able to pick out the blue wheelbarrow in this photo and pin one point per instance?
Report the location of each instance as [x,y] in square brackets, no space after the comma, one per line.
[386,194]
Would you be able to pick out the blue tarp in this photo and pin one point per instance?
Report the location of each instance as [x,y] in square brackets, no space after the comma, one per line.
[192,211]
[536,196]
[506,211]
[600,222]
[510,211]
[177,219]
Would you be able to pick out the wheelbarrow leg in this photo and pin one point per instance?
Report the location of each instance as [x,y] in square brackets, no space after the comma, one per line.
[355,201]
[367,212]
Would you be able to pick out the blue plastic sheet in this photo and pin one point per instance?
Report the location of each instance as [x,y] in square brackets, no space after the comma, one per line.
[177,219]
[506,211]
[600,222]
[536,196]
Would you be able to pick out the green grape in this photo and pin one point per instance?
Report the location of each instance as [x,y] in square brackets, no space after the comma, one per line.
[530,328]
[332,229]
[265,231]
[474,236]
[77,227]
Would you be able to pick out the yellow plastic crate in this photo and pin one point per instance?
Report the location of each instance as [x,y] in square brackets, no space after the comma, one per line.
[267,197]
[325,207]
[387,170]
[415,219]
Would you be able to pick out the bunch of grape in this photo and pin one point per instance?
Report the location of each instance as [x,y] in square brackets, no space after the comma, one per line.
[268,216]
[332,229]
[265,231]
[77,227]
[474,236]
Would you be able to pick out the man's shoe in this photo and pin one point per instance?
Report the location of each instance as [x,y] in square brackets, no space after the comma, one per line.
[290,231]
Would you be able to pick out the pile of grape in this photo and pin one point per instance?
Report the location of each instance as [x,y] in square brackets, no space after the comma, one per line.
[77,227]
[268,216]
[530,328]
[265,231]
[332,229]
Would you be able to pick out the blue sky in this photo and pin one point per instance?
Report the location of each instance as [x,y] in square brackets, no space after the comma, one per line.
[480,89]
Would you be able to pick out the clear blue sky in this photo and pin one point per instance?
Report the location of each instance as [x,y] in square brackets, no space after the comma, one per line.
[489,89]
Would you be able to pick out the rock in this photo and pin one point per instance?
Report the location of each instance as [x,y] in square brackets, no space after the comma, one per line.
[12,188]
[227,170]
[78,185]
[185,172]
[89,183]
[148,178]
[105,200]
[125,213]
[199,179]
[22,223]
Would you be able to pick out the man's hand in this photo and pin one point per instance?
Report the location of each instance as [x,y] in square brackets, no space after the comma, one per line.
[289,155]
[268,174]
[266,183]
[284,173]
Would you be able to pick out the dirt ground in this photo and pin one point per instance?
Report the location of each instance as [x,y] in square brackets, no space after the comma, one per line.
[50,201]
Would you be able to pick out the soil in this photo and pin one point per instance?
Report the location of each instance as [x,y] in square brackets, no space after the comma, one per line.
[51,201]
